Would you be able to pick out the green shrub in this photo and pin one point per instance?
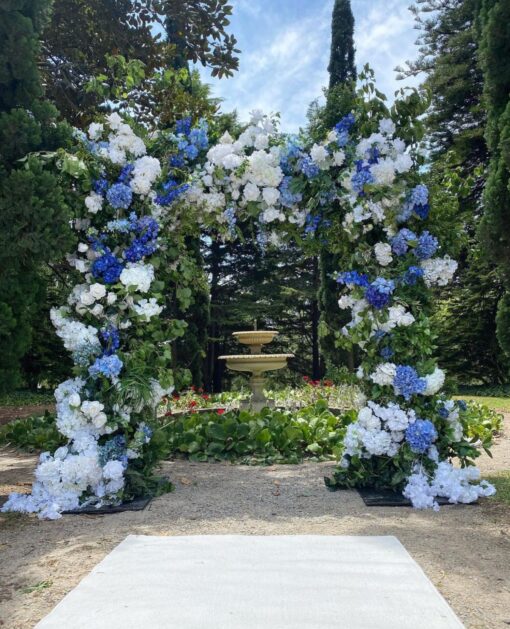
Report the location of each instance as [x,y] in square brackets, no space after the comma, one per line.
[32,433]
[271,436]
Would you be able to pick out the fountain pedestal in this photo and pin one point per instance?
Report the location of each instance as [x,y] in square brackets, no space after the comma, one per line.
[256,363]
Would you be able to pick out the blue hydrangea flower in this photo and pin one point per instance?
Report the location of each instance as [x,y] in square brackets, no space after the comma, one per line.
[420,435]
[378,294]
[183,126]
[407,382]
[443,412]
[100,186]
[352,278]
[343,128]
[412,275]
[199,136]
[125,173]
[400,242]
[287,197]
[462,405]
[110,340]
[109,366]
[312,223]
[173,190]
[386,353]
[120,225]
[113,450]
[231,218]
[107,268]
[361,178]
[309,168]
[119,196]
[177,161]
[427,246]
[191,152]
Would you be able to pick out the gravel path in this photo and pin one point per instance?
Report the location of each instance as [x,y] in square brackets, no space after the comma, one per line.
[465,550]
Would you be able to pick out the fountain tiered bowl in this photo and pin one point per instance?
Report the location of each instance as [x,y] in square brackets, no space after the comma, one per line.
[256,363]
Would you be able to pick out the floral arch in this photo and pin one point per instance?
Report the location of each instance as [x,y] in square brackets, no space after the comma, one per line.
[358,186]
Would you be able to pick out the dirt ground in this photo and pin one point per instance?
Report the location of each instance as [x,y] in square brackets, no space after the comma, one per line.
[464,550]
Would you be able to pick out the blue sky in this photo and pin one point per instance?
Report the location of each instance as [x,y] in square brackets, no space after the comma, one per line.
[285,52]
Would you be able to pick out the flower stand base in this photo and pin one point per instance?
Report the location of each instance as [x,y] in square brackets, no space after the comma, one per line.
[133,505]
[386,498]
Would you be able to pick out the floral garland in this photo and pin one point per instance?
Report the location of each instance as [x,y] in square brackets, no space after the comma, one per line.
[112,328]
[408,432]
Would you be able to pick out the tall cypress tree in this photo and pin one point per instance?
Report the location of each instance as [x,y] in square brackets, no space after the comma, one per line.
[33,211]
[342,77]
[495,63]
[342,68]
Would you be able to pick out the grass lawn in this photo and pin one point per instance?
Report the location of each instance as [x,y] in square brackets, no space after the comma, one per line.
[501,482]
[27,398]
[496,403]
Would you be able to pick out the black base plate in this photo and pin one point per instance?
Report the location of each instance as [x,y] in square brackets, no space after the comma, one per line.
[134,505]
[387,498]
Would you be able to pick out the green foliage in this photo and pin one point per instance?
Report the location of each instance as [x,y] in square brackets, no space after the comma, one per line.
[32,433]
[24,397]
[479,425]
[271,436]
[197,30]
[495,63]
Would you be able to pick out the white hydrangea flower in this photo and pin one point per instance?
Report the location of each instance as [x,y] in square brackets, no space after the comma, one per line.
[93,202]
[383,253]
[434,381]
[95,130]
[139,275]
[387,126]
[438,271]
[384,374]
[148,308]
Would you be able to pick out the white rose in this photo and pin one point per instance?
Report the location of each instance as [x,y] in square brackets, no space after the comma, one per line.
[98,291]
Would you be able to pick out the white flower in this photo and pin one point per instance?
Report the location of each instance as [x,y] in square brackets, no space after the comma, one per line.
[270,195]
[111,298]
[98,291]
[145,172]
[434,382]
[148,308]
[338,158]
[93,202]
[387,126]
[384,374]
[383,254]
[438,271]
[114,120]
[83,247]
[319,154]
[261,142]
[139,275]
[251,192]
[383,172]
[403,163]
[95,130]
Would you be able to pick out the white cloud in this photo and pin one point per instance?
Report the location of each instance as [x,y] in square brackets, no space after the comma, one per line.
[285,53]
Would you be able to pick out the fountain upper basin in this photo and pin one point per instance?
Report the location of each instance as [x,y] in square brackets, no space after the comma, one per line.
[256,363]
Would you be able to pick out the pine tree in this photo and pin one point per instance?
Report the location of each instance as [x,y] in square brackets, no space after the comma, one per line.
[495,63]
[33,210]
[342,77]
[455,125]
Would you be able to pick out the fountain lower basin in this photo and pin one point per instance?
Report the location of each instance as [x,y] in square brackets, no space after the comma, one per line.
[256,363]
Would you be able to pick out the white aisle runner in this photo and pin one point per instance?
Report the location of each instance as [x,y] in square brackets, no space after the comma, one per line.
[255,582]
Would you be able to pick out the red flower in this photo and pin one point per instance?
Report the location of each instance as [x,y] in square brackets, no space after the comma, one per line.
[328,383]
[220,411]
[192,404]
[205,396]
[168,413]
[193,387]
[306,378]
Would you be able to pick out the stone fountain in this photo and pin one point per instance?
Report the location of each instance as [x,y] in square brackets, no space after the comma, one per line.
[256,363]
